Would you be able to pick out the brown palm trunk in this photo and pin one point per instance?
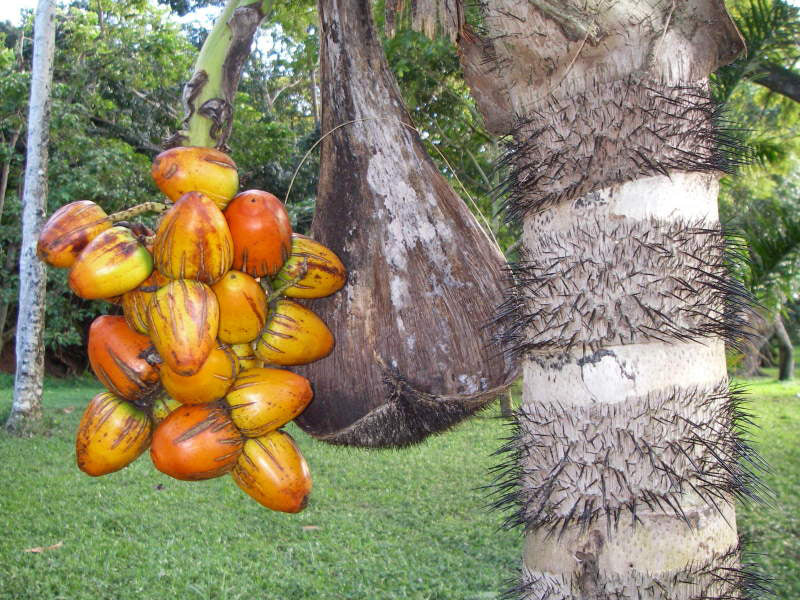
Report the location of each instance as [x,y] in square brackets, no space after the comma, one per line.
[413,355]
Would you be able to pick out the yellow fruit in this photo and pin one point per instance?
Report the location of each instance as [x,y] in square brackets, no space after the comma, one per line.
[193,240]
[274,473]
[211,382]
[196,169]
[242,307]
[247,357]
[111,264]
[324,272]
[68,231]
[162,406]
[111,435]
[183,318]
[294,335]
[135,302]
[262,400]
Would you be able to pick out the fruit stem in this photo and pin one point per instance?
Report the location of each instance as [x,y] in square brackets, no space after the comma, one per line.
[139,209]
[208,95]
[278,292]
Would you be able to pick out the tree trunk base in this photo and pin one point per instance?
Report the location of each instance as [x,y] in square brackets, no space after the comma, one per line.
[25,424]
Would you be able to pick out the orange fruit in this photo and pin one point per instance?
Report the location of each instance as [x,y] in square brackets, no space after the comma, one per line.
[262,400]
[136,302]
[274,473]
[117,357]
[324,272]
[183,319]
[211,381]
[192,240]
[242,308]
[111,264]
[247,356]
[196,442]
[196,169]
[261,232]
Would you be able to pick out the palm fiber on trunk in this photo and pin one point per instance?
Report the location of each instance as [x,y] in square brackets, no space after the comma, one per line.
[413,353]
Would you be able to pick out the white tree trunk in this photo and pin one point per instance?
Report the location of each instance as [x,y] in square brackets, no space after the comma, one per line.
[27,406]
[628,457]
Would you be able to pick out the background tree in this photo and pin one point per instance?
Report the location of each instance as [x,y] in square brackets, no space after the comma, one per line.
[27,406]
[764,118]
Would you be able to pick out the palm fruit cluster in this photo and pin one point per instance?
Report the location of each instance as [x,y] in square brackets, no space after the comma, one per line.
[195,364]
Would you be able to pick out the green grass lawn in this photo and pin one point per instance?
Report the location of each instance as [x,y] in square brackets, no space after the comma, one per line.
[380,526]
[774,530]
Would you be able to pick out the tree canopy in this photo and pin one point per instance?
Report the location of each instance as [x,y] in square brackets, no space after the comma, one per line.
[121,65]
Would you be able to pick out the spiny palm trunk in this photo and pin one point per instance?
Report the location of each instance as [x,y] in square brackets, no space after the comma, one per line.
[628,457]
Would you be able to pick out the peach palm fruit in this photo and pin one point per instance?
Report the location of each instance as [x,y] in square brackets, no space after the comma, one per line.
[183,319]
[320,270]
[111,435]
[117,357]
[196,442]
[262,400]
[294,335]
[163,405]
[135,302]
[211,382]
[196,169]
[261,233]
[247,356]
[192,240]
[274,473]
[111,264]
[242,307]
[69,230]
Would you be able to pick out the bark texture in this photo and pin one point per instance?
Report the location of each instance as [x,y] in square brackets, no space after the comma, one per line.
[781,80]
[27,405]
[786,351]
[413,354]
[629,452]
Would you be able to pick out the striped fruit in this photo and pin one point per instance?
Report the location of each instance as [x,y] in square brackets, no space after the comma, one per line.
[196,442]
[196,169]
[111,264]
[183,319]
[111,435]
[68,231]
[135,302]
[247,357]
[162,406]
[242,307]
[274,473]
[192,240]
[294,335]
[117,357]
[263,400]
[320,270]
[211,382]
